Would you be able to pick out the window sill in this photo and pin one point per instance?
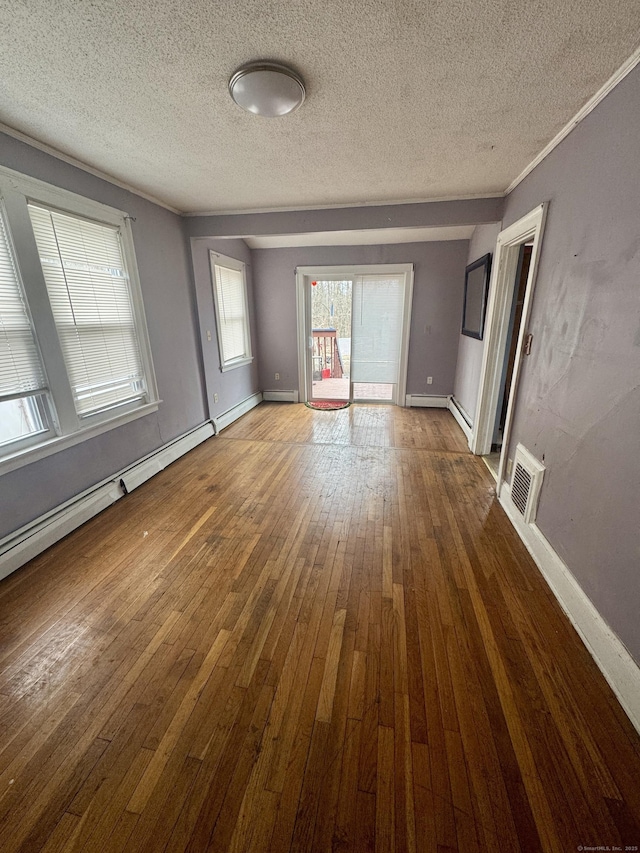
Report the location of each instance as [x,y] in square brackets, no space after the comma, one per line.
[61,442]
[225,367]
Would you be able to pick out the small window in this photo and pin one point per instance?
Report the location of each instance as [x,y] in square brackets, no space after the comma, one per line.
[232,317]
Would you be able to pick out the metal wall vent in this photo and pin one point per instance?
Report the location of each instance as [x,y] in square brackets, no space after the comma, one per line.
[520,488]
[526,483]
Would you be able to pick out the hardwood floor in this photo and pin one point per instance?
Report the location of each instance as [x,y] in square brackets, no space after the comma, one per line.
[316,632]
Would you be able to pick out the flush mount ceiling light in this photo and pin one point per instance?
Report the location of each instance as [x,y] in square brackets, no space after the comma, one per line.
[267,89]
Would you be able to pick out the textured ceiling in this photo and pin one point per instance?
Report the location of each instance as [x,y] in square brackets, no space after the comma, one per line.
[406,100]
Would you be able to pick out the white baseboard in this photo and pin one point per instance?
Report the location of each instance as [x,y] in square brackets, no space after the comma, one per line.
[459,414]
[280,396]
[36,537]
[232,414]
[427,401]
[606,648]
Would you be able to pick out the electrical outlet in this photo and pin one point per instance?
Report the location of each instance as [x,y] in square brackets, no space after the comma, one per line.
[277,376]
[215,398]
[208,334]
[429,380]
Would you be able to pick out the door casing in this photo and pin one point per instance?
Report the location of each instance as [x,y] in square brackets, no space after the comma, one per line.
[529,228]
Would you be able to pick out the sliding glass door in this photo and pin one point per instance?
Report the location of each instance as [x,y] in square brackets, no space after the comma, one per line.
[353,332]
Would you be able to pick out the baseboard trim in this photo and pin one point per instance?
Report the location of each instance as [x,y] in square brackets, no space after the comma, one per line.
[40,534]
[280,396]
[460,415]
[605,647]
[235,412]
[427,401]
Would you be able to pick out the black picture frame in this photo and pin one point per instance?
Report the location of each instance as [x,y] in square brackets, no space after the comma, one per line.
[476,289]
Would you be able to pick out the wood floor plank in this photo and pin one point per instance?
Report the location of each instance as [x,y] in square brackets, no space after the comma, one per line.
[385,793]
[328,686]
[161,756]
[317,631]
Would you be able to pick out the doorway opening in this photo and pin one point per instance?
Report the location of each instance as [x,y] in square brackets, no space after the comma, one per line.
[510,300]
[515,319]
[353,333]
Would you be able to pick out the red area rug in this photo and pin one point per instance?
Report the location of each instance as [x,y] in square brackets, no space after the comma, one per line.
[328,405]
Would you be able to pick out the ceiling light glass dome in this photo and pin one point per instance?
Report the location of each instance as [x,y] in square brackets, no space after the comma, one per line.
[267,89]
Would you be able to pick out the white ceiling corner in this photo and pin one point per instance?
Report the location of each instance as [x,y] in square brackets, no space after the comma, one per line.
[404,101]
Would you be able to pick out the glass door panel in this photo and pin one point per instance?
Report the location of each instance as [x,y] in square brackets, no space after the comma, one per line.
[374,392]
[378,304]
[330,339]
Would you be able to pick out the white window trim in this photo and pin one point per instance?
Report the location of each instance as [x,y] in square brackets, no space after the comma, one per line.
[16,190]
[231,365]
[234,264]
[61,442]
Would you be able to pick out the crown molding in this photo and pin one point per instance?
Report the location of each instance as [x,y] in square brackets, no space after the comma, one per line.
[79,164]
[582,113]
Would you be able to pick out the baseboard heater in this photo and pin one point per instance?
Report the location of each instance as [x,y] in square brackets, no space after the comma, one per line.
[232,414]
[461,412]
[280,396]
[155,462]
[462,418]
[427,401]
[34,538]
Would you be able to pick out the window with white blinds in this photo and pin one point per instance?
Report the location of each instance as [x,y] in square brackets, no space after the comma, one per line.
[88,288]
[234,339]
[21,371]
[75,359]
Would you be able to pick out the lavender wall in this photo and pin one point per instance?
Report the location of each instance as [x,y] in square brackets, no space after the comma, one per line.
[467,381]
[163,262]
[437,304]
[578,403]
[233,386]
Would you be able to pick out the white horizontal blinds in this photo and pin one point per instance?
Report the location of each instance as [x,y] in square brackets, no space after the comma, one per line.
[21,371]
[376,328]
[88,288]
[232,313]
